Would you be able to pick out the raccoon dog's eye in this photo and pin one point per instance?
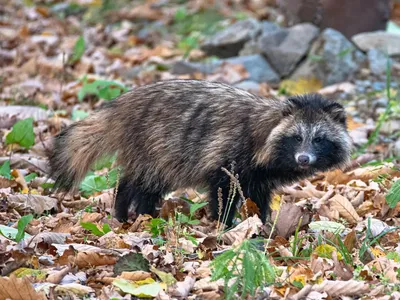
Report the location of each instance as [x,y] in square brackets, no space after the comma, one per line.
[298,138]
[317,140]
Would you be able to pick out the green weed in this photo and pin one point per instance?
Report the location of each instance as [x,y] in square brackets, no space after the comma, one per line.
[244,270]
[22,133]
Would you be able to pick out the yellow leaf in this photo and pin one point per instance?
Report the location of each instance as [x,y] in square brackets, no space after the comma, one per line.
[275,202]
[301,86]
[326,251]
[300,278]
[377,252]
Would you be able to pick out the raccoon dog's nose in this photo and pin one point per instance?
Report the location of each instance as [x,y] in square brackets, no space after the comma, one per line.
[303,160]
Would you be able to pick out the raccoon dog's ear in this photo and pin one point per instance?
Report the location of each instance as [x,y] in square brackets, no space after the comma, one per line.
[291,105]
[336,111]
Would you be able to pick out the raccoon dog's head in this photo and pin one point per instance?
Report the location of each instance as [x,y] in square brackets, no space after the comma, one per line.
[311,135]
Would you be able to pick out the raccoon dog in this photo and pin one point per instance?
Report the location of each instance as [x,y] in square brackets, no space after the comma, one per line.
[179,133]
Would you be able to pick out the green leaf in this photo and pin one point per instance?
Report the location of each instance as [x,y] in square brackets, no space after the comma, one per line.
[109,93]
[97,183]
[167,278]
[150,290]
[105,89]
[79,49]
[30,177]
[328,226]
[79,114]
[22,223]
[131,262]
[393,196]
[196,206]
[22,133]
[9,232]
[92,228]
[5,170]
[106,228]
[47,185]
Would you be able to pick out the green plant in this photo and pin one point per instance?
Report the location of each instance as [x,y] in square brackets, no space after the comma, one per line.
[21,225]
[5,169]
[95,230]
[244,270]
[371,240]
[192,27]
[30,177]
[97,183]
[393,196]
[79,49]
[103,89]
[22,134]
[79,114]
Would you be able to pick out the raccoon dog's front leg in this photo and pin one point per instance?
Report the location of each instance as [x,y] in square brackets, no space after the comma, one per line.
[260,194]
[143,199]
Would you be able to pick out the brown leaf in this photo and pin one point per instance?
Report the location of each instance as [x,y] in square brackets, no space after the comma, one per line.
[288,220]
[244,230]
[87,259]
[18,289]
[171,206]
[341,269]
[91,217]
[26,203]
[57,276]
[350,240]
[345,209]
[135,276]
[248,209]
[337,288]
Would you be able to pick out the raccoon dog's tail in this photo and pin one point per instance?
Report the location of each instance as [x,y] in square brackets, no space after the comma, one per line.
[76,148]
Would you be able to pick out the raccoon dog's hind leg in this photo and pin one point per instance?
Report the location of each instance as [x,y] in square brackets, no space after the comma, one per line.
[133,194]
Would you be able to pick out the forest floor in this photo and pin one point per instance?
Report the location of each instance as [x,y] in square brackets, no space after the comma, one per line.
[333,236]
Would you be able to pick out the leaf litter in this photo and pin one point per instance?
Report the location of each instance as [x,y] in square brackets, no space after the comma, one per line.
[336,235]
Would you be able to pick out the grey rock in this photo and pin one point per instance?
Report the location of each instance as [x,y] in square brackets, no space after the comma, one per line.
[390,126]
[258,67]
[385,41]
[377,61]
[381,102]
[362,105]
[251,47]
[332,59]
[285,48]
[270,31]
[228,42]
[185,67]
[248,85]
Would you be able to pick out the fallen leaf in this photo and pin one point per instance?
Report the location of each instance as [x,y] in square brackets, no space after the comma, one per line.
[301,86]
[167,278]
[88,259]
[26,203]
[135,276]
[345,209]
[242,231]
[18,289]
[57,276]
[143,291]
[74,288]
[289,218]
